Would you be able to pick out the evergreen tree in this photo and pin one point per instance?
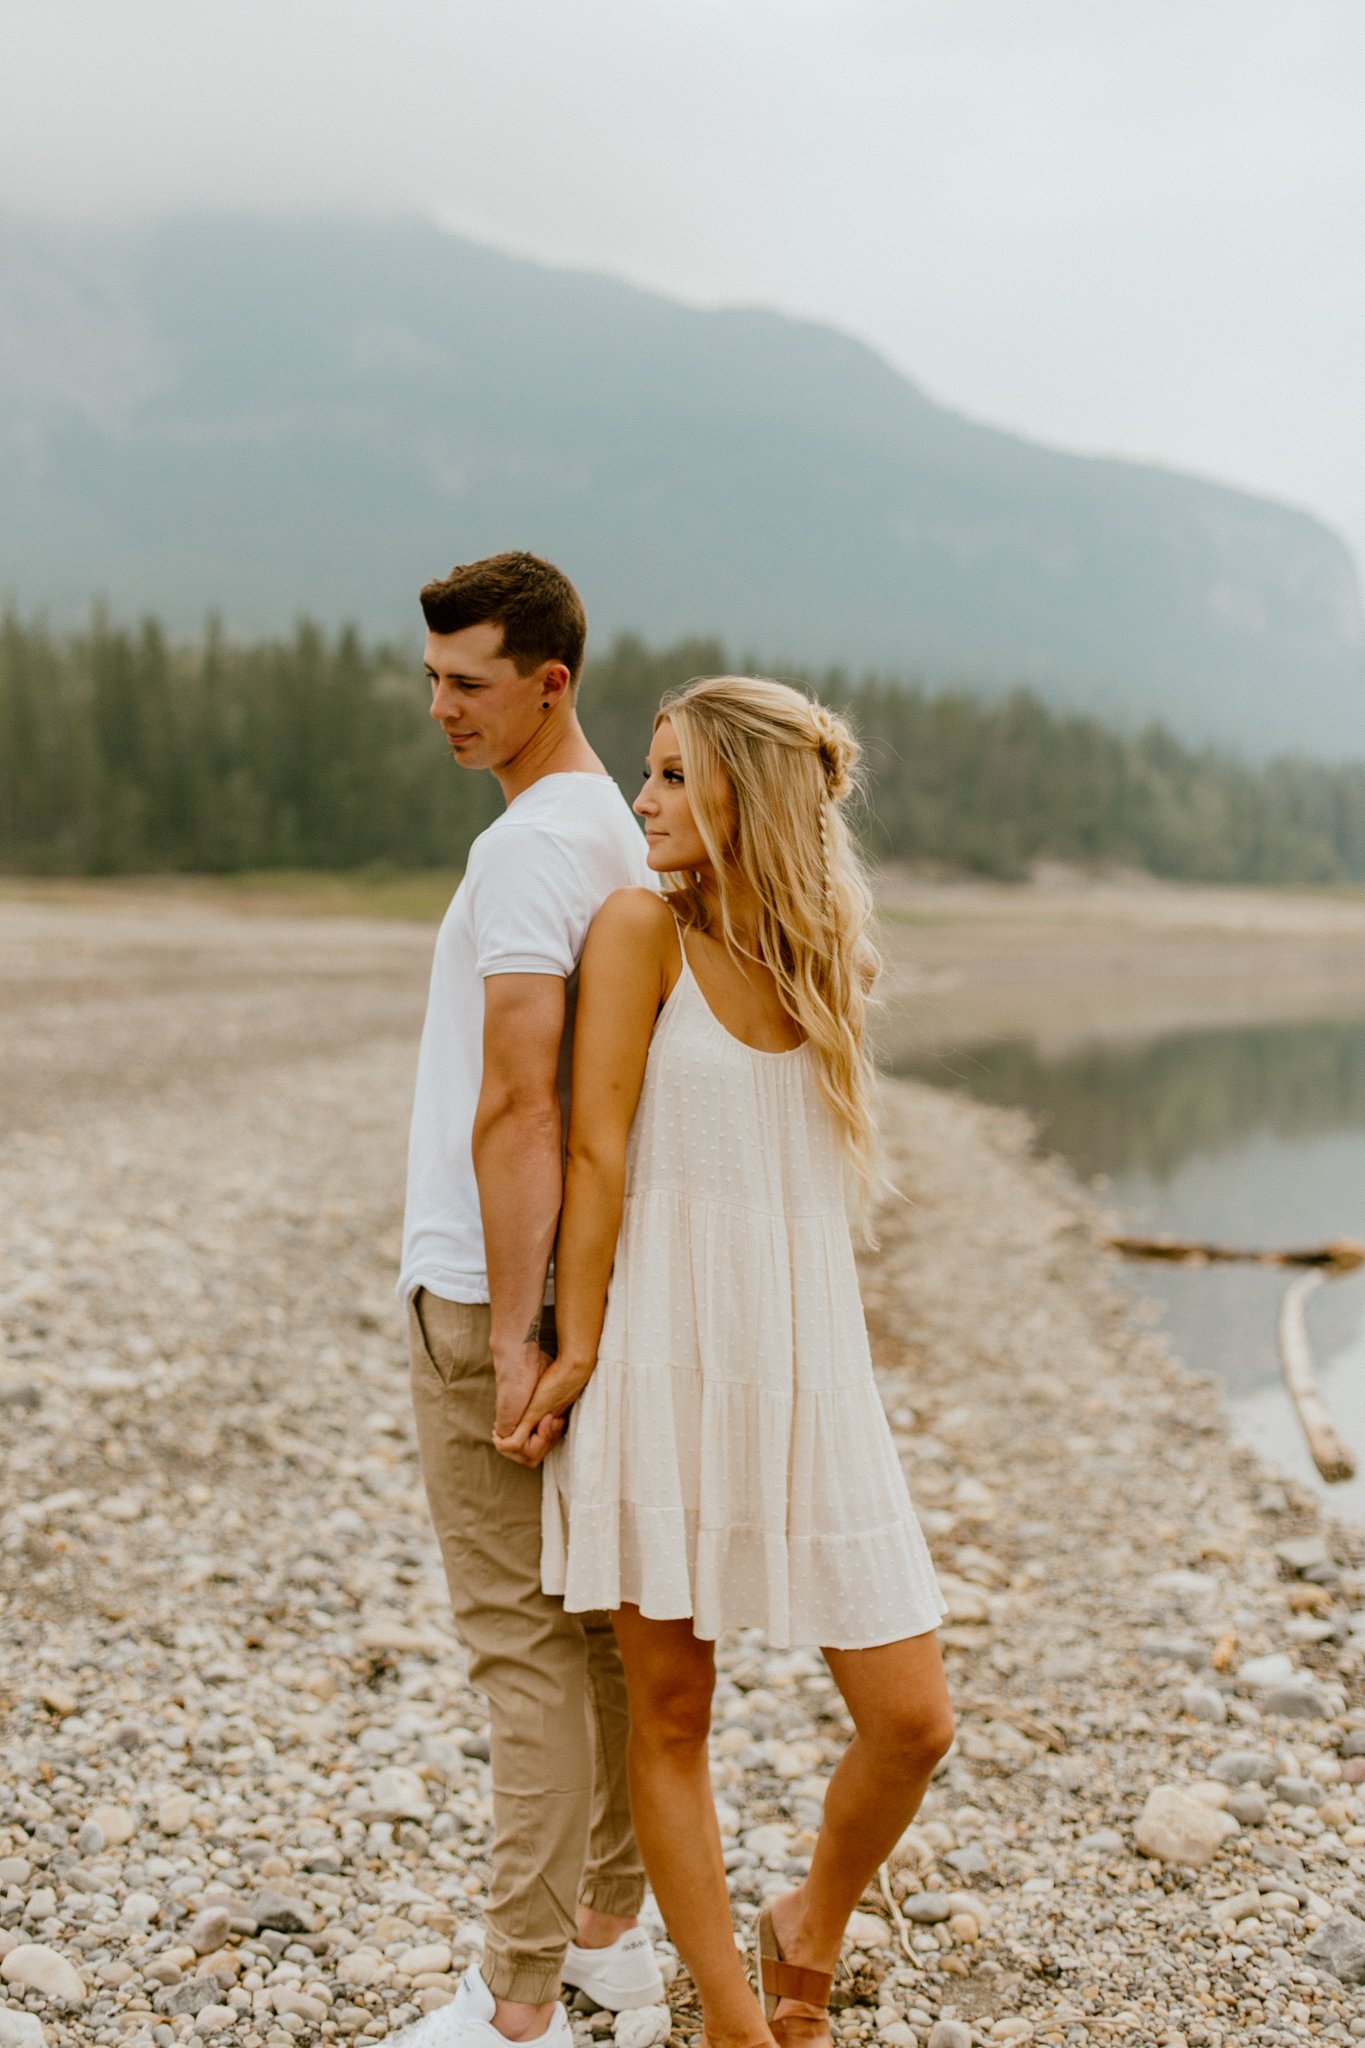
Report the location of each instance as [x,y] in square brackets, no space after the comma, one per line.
[122,753]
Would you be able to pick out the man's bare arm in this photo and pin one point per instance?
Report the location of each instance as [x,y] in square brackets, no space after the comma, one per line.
[624,967]
[519,1166]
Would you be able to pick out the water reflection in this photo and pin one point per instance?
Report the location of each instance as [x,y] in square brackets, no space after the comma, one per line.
[1150,1107]
[1252,1136]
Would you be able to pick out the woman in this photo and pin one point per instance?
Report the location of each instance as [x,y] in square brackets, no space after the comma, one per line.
[728,1463]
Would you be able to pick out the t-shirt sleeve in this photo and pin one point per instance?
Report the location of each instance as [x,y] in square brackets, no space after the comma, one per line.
[530,903]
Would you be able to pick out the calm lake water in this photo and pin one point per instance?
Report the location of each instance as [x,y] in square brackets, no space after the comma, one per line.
[1251,1136]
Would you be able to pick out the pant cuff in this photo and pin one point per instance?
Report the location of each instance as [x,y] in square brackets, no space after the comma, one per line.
[622,1897]
[525,1980]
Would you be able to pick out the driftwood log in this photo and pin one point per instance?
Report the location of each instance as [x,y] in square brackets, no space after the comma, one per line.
[1343,1255]
[1330,1453]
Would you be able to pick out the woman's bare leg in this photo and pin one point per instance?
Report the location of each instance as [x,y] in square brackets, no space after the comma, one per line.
[670,1676]
[898,1698]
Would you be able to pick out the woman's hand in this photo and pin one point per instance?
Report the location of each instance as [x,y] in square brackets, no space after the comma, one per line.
[543,1423]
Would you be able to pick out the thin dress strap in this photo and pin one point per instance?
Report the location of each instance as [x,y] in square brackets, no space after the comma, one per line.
[685,972]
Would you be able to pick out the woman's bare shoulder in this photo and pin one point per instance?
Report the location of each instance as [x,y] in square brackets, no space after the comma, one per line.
[633,916]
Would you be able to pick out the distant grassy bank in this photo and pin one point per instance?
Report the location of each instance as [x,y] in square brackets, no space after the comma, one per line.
[122,753]
[416,896]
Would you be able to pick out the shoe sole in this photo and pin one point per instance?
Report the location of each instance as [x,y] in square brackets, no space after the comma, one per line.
[629,2001]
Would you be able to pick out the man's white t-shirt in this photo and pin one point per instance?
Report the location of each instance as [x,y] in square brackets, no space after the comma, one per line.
[533,883]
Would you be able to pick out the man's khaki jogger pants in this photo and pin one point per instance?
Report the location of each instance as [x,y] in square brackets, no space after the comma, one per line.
[553,1681]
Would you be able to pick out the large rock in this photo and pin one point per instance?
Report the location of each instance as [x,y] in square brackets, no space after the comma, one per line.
[648,2026]
[1180,1829]
[39,1968]
[20,2029]
[1340,1944]
[397,1793]
[427,1959]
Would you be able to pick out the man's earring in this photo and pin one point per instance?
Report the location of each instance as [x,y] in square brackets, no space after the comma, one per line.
[545,704]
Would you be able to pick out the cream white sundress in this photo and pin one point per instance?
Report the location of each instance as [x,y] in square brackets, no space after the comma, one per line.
[729,1458]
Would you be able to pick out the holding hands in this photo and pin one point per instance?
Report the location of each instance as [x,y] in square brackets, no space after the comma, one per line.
[544,1416]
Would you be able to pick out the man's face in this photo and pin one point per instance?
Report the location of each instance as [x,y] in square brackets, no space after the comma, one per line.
[485,707]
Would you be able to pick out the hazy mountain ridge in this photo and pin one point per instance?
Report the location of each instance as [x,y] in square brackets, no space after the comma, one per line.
[273,418]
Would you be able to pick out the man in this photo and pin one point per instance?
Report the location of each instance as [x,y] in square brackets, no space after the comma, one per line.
[504,648]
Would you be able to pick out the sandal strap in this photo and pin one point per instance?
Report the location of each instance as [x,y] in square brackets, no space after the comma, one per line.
[791,1980]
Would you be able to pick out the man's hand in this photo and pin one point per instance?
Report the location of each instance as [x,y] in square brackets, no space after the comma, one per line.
[516,1373]
[545,1417]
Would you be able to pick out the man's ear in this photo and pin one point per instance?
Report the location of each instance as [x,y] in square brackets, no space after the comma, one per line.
[554,680]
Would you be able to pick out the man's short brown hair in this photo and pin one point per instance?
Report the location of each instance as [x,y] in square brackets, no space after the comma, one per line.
[540,612]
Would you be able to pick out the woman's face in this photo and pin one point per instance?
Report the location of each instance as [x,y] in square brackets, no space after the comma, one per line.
[675,845]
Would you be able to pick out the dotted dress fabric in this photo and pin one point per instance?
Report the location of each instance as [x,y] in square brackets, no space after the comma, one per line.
[730,1459]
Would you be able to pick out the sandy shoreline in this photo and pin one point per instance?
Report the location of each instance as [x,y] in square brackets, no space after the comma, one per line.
[1067,962]
[222,1620]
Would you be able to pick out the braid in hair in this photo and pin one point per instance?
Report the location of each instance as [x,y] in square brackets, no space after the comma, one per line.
[825,801]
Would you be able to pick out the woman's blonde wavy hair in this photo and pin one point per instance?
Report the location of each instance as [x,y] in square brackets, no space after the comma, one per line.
[791,764]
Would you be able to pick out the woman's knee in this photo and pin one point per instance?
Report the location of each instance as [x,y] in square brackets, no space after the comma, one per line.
[672,1711]
[916,1734]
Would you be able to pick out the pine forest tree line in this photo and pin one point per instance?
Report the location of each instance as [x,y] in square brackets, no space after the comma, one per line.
[122,752]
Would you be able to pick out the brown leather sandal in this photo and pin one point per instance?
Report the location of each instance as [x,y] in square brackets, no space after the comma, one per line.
[778,1979]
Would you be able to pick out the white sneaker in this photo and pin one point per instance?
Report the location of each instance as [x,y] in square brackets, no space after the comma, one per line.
[467,2022]
[622,1977]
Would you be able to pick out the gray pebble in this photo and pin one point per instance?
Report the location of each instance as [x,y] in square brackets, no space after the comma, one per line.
[1249,1805]
[1339,1944]
[209,1930]
[1297,1702]
[1242,1767]
[188,1997]
[1299,1791]
[90,1838]
[1175,1650]
[1202,1703]
[278,1910]
[950,2034]
[926,1908]
[1299,1553]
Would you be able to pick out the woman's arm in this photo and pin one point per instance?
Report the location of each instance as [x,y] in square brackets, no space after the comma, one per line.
[621,985]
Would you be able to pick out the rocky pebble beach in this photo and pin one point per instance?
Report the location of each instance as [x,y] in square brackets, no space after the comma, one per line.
[244,1788]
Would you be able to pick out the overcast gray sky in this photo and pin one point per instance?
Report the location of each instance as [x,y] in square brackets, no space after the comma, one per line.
[1135,226]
